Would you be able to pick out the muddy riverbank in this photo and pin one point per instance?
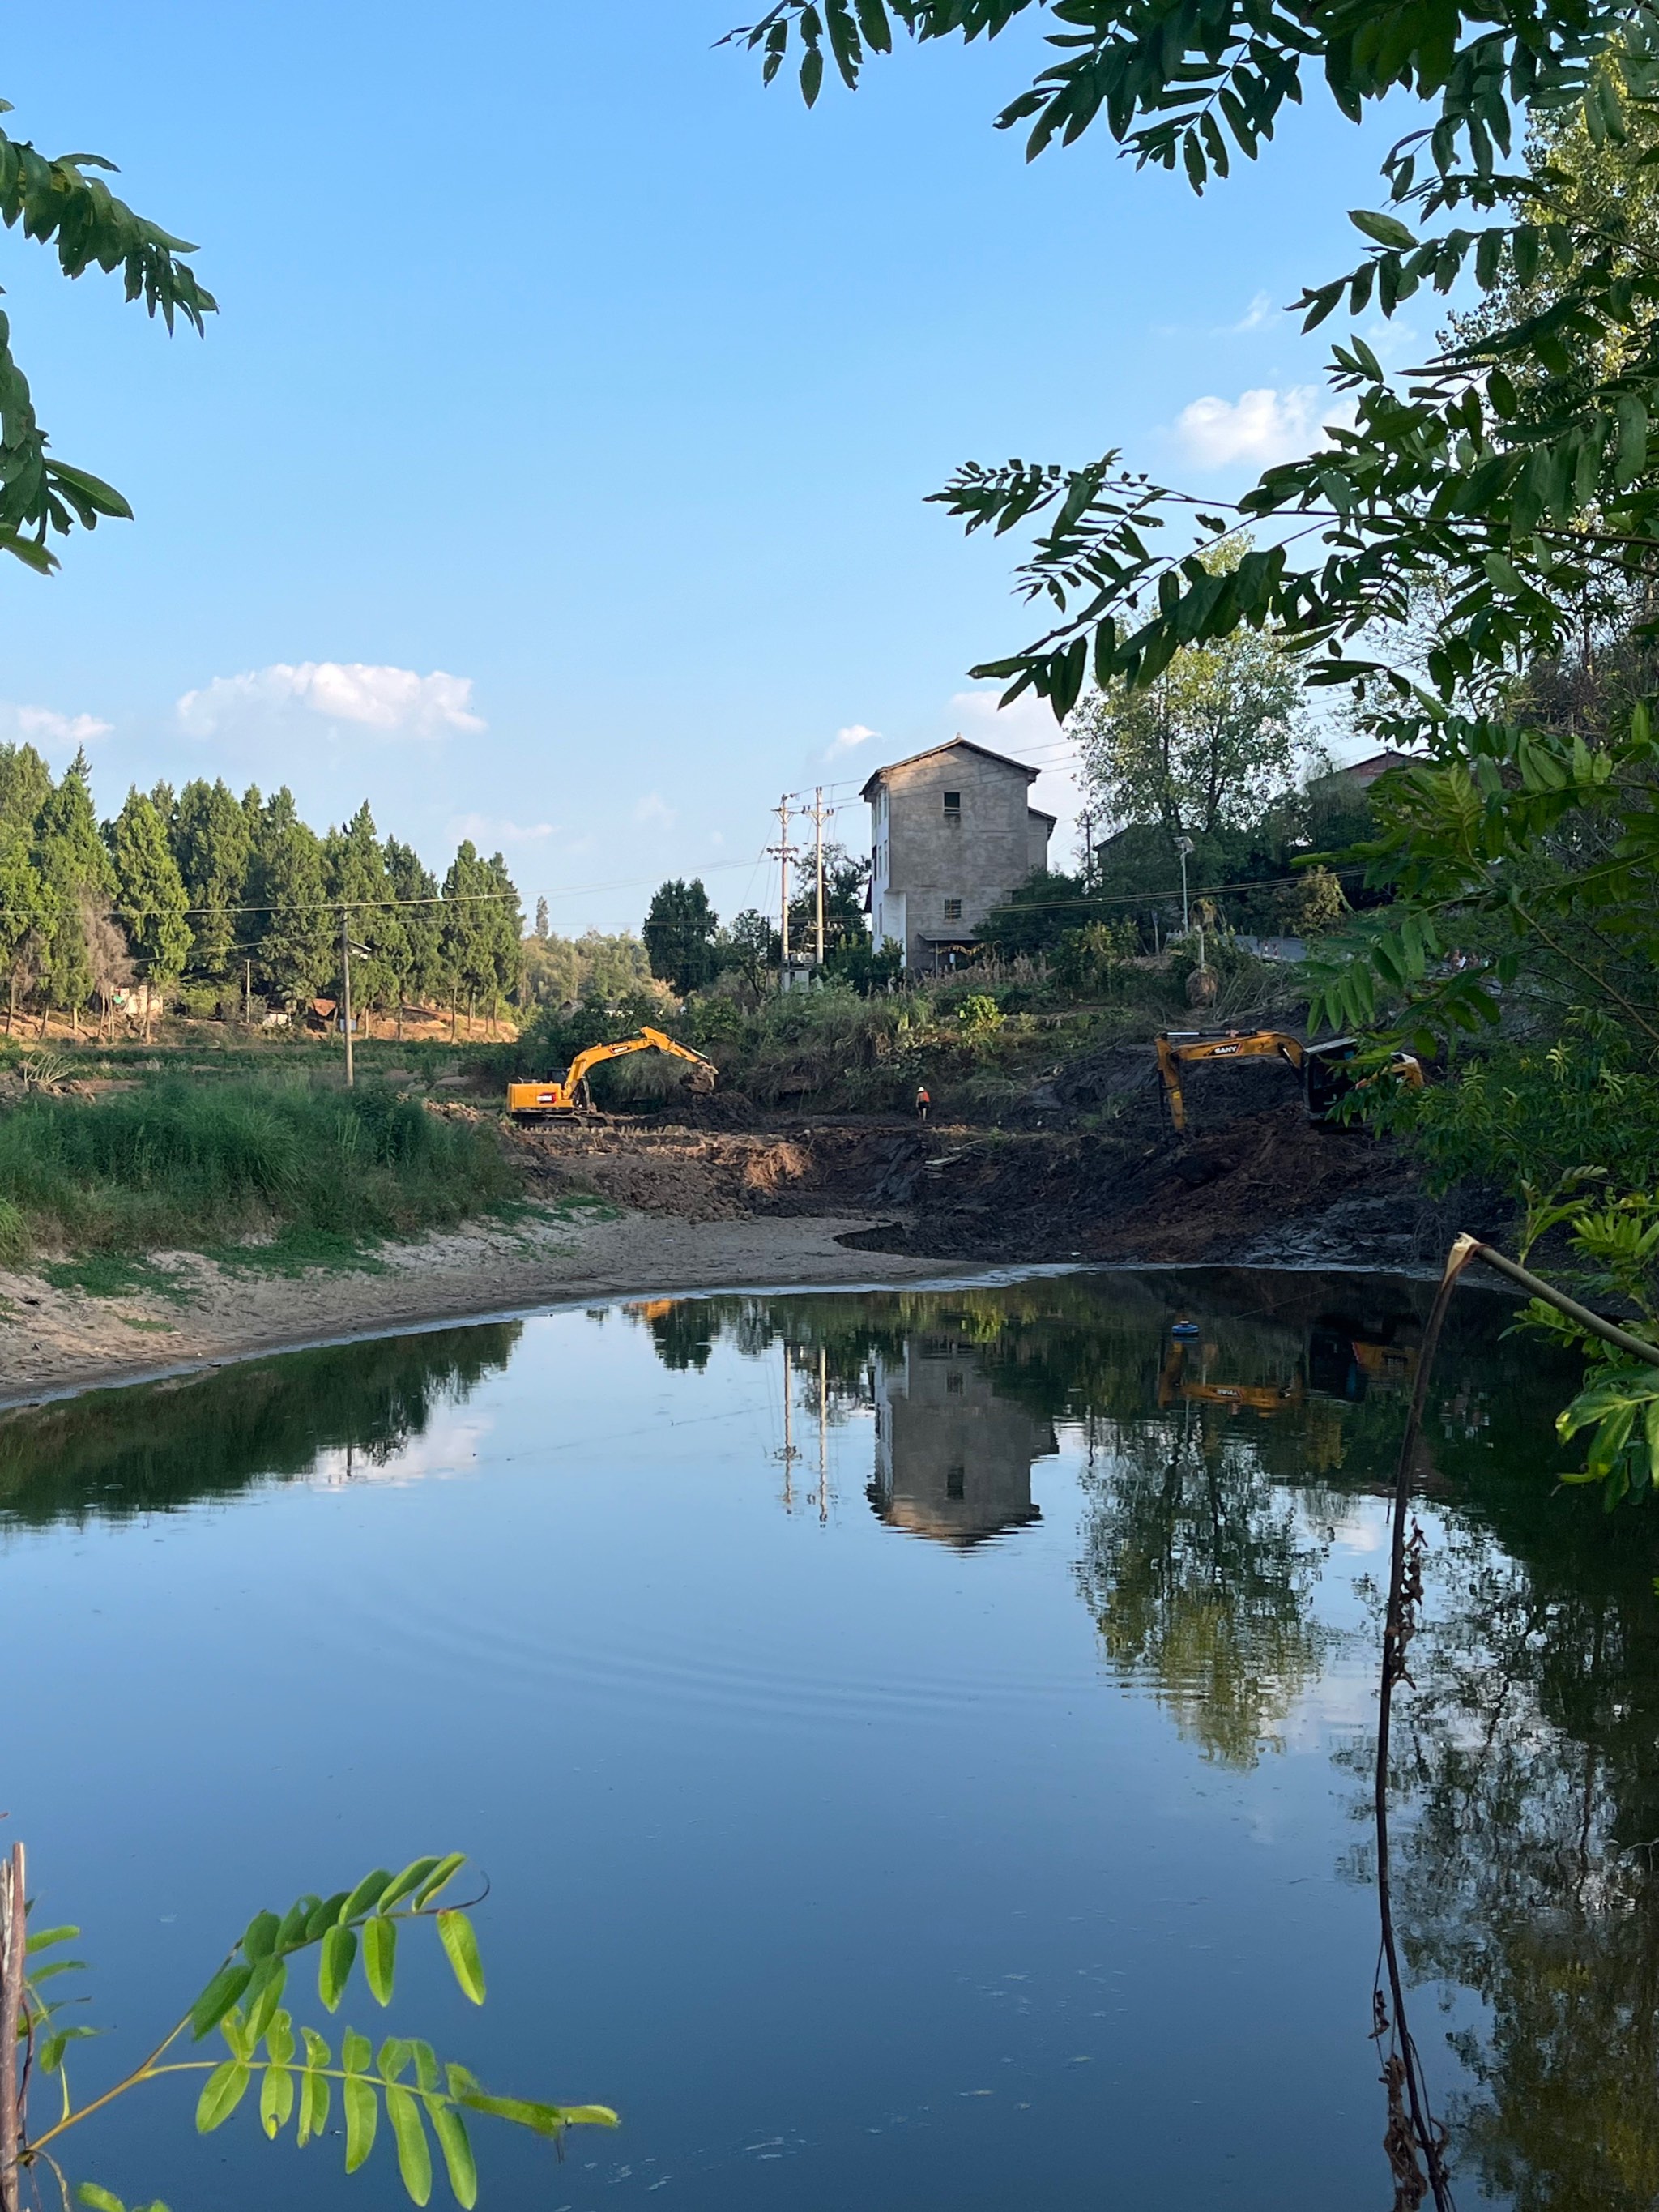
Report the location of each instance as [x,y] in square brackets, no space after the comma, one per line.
[192,1313]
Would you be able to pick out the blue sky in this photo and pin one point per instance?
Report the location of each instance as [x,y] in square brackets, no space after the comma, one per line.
[582,397]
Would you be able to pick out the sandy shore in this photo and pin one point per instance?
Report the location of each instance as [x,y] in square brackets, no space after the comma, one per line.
[52,1341]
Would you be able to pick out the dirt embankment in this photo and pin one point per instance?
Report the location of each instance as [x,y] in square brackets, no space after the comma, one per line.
[1090,1171]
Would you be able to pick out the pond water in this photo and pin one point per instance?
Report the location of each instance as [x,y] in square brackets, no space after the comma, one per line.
[915,1741]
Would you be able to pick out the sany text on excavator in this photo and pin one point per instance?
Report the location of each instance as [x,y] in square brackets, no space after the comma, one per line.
[538,1102]
[1324,1068]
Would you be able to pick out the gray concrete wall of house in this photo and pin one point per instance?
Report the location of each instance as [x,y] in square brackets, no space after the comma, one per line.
[939,870]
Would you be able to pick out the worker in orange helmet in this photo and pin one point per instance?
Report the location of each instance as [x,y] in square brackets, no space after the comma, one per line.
[923,1102]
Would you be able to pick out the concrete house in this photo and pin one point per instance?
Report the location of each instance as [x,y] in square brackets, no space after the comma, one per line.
[952,833]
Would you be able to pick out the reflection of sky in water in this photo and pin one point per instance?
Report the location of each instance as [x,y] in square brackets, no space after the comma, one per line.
[905,1735]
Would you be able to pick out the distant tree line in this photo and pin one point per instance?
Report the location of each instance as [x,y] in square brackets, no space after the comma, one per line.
[204,897]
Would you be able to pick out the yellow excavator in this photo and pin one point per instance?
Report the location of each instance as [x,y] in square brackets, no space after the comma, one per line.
[1324,1068]
[538,1101]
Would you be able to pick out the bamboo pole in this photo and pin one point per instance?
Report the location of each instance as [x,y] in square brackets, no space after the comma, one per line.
[13,1943]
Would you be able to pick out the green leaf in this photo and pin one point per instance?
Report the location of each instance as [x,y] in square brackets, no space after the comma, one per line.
[216,1999]
[276,2100]
[363,2117]
[260,1941]
[458,2163]
[401,1884]
[42,1940]
[334,1965]
[100,2200]
[221,2093]
[461,1948]
[591,2116]
[367,1892]
[314,2090]
[325,1915]
[264,1995]
[414,2154]
[1386,229]
[380,1956]
[440,1876]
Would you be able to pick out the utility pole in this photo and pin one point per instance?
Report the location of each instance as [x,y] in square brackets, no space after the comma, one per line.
[1087,818]
[788,1454]
[817,829]
[824,1434]
[248,992]
[1183,847]
[345,973]
[785,852]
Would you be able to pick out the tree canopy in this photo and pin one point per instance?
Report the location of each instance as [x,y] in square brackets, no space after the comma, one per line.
[59,203]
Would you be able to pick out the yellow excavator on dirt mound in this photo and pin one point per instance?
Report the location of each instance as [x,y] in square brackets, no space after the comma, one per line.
[1326,1069]
[540,1101]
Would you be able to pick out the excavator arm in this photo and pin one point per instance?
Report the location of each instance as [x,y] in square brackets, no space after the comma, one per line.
[1324,1068]
[532,1102]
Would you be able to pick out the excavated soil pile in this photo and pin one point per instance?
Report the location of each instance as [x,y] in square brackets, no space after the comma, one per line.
[1263,1186]
[718,1175]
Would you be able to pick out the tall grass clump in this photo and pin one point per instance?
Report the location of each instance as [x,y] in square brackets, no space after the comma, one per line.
[182,1165]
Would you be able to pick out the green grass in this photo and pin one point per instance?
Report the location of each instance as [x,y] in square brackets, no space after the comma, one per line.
[114,1275]
[296,1251]
[182,1164]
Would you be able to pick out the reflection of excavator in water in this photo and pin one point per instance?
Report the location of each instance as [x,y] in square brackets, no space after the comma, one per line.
[1325,1069]
[537,1102]
[1264,1398]
[1338,1361]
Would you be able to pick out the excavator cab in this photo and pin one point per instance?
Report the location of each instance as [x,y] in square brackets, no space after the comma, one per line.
[558,1100]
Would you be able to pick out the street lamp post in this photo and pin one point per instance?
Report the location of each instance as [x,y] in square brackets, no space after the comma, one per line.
[1183,847]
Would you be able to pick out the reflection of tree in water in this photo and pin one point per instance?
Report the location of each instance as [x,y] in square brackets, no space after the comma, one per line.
[1525,1869]
[113,1454]
[1199,1574]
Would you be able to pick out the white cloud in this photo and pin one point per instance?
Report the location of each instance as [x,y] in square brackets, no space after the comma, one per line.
[655,809]
[492,830]
[51,731]
[394,701]
[1262,427]
[1254,315]
[849,739]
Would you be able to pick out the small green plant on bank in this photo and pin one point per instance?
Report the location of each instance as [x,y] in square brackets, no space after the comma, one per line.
[297,2071]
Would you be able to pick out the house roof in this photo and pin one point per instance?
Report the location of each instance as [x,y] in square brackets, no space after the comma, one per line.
[956,745]
[1049,819]
[1367,771]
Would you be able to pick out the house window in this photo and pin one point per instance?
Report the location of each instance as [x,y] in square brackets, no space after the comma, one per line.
[953,909]
[954,1478]
[953,808]
[953,1383]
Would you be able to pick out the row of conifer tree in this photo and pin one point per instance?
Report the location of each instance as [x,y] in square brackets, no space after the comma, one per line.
[213,900]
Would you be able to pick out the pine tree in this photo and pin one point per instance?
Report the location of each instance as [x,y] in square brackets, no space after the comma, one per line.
[504,921]
[541,919]
[74,869]
[150,895]
[356,874]
[294,951]
[212,839]
[24,787]
[415,888]
[23,940]
[468,952]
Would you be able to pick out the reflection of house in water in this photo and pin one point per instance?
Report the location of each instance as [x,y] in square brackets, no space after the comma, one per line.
[953,1459]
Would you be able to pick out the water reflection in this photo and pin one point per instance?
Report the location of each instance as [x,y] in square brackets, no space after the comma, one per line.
[1220,1473]
[352,1409]
[953,1455]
